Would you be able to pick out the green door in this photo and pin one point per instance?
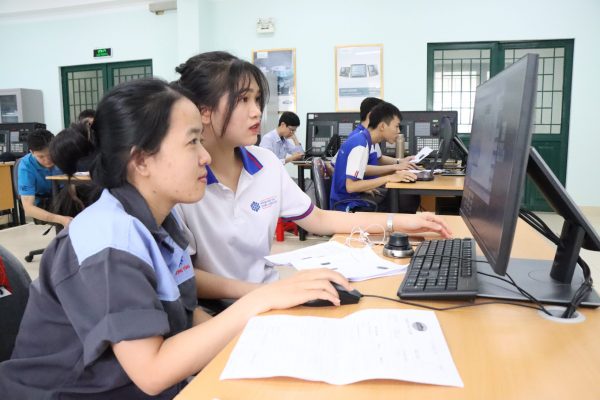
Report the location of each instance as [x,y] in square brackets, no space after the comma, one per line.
[84,85]
[454,70]
[552,107]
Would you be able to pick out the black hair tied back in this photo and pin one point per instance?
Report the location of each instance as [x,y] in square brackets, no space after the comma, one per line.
[72,151]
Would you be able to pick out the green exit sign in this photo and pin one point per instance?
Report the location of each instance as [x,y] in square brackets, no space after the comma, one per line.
[105,52]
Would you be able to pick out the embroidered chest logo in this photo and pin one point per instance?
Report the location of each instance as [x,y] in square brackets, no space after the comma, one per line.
[263,204]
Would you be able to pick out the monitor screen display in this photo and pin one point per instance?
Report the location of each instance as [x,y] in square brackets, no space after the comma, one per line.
[345,128]
[358,70]
[422,129]
[322,131]
[498,154]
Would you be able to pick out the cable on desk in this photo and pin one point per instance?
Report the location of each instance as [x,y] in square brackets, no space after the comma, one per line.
[510,281]
[536,223]
[410,303]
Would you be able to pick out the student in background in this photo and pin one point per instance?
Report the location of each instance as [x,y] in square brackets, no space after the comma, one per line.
[282,140]
[380,164]
[113,314]
[349,181]
[231,229]
[33,187]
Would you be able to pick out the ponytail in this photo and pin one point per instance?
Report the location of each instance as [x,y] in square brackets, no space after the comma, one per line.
[72,152]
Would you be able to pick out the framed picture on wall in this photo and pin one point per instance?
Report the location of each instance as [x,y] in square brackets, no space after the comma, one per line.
[358,74]
[282,64]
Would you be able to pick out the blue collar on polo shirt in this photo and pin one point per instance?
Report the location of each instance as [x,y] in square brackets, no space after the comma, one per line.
[361,128]
[367,136]
[249,161]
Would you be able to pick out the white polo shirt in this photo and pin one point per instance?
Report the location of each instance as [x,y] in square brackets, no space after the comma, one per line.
[231,233]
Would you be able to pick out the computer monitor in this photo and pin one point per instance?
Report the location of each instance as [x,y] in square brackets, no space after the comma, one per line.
[450,145]
[423,128]
[500,155]
[325,130]
[3,142]
[446,140]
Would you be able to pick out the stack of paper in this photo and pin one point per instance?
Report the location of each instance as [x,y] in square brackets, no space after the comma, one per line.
[356,264]
[370,344]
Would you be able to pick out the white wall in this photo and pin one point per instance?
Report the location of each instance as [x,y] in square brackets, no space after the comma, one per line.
[315,27]
[33,52]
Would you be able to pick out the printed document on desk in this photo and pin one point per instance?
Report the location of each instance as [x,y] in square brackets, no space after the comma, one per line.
[356,264]
[403,345]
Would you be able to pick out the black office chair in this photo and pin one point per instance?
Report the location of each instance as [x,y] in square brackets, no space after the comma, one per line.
[11,307]
[21,212]
[322,182]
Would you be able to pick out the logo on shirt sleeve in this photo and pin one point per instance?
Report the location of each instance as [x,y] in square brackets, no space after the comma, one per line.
[184,270]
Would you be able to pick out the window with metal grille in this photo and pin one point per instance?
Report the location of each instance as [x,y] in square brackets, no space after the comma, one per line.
[84,85]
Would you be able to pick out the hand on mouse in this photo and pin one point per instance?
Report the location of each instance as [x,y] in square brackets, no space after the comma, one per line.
[297,289]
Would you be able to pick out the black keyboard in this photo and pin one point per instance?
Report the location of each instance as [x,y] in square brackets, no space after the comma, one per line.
[441,269]
[453,172]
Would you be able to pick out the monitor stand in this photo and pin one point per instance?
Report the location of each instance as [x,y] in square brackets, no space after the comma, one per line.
[534,277]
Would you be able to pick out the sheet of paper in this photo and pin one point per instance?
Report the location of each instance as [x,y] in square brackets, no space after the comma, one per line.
[356,264]
[318,250]
[424,152]
[371,344]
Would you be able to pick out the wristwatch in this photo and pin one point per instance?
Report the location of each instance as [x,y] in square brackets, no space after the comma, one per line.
[389,225]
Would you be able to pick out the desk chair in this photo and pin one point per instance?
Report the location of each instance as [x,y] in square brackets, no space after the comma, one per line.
[322,181]
[32,253]
[11,307]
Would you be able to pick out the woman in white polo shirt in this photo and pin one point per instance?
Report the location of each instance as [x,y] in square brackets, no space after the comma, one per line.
[231,229]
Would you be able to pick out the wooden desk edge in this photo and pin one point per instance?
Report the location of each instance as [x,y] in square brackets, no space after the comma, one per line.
[546,346]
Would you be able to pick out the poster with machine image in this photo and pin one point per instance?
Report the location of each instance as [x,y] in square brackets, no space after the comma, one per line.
[358,74]
[282,63]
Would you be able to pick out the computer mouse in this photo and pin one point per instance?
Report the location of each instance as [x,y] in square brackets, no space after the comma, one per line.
[425,175]
[346,297]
